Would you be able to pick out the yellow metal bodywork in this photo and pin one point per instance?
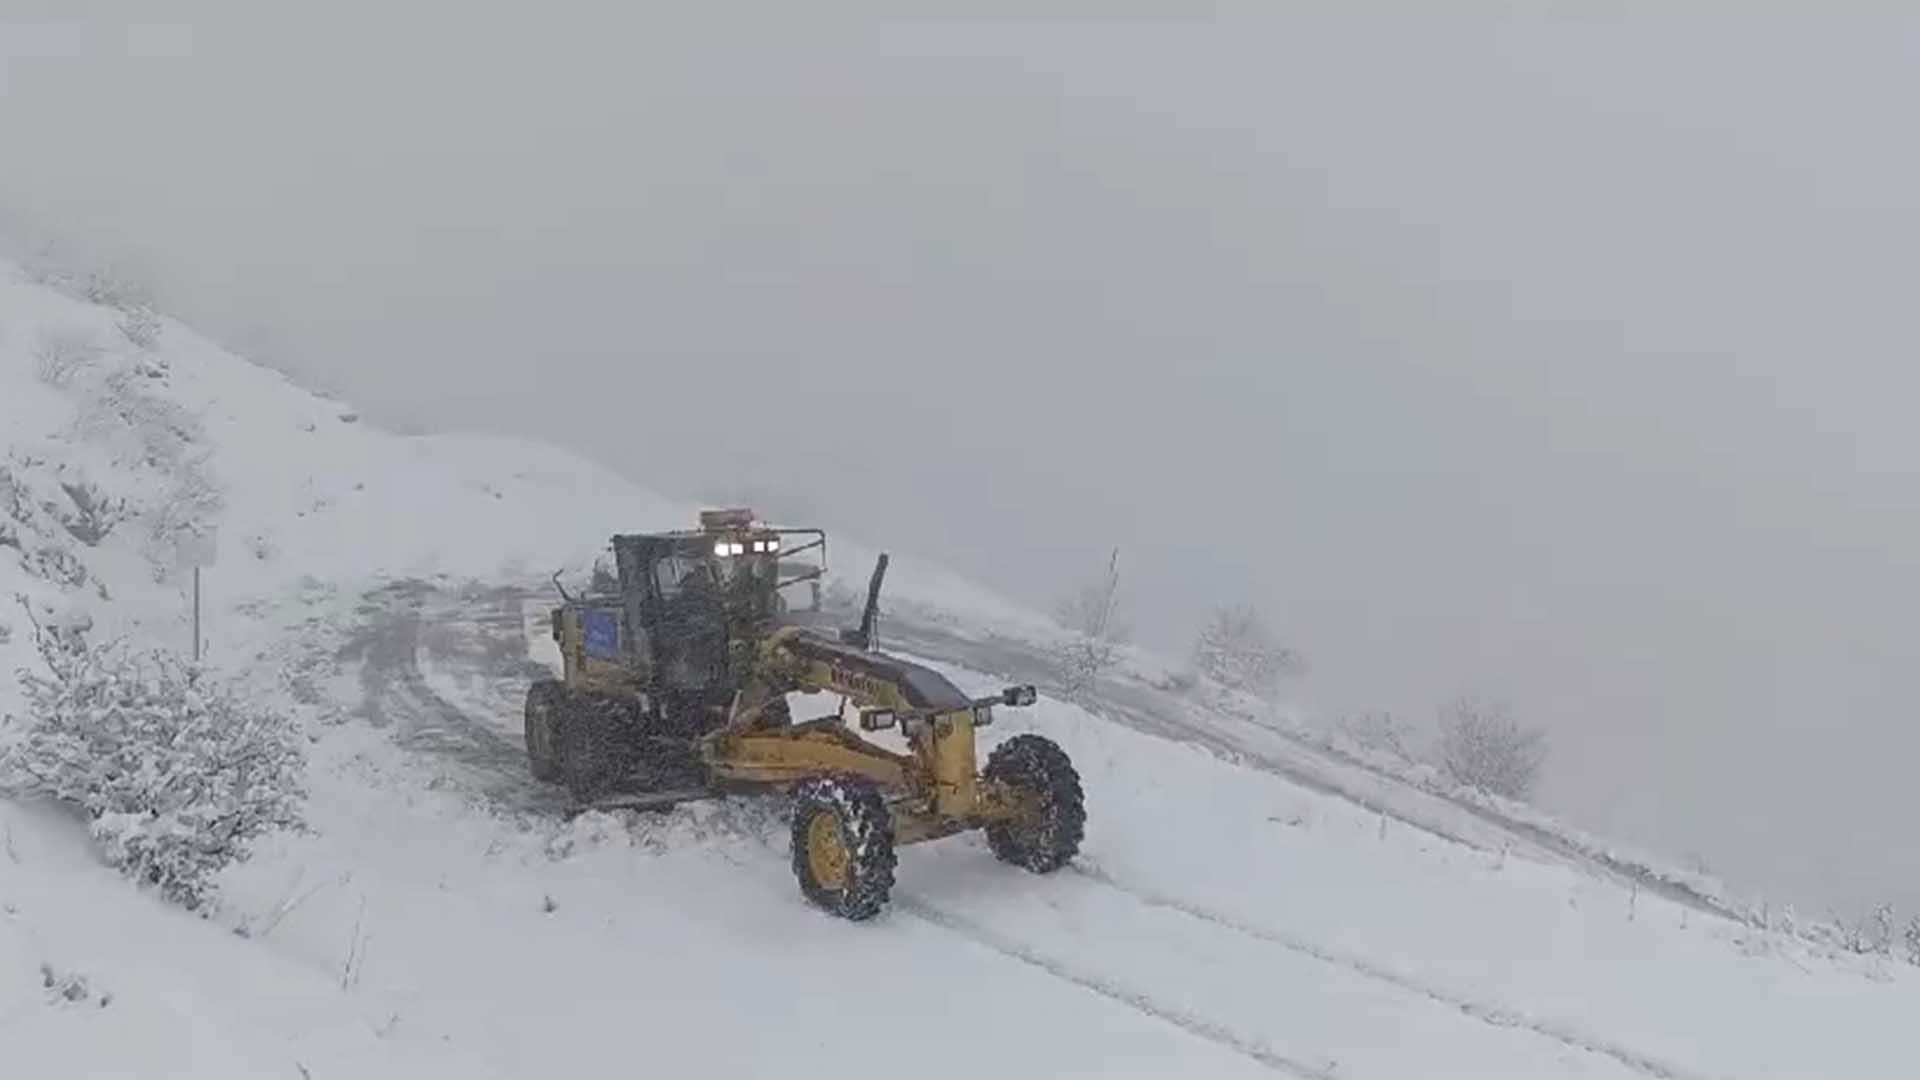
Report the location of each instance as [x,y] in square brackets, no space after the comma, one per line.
[933,790]
[783,755]
[949,752]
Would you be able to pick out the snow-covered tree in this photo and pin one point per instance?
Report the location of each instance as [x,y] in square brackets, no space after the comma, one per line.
[175,772]
[1884,929]
[1484,747]
[1091,617]
[1238,650]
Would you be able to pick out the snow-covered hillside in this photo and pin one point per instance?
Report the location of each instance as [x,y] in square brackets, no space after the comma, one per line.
[1242,906]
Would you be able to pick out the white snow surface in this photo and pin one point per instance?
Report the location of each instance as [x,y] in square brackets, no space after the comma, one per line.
[1221,921]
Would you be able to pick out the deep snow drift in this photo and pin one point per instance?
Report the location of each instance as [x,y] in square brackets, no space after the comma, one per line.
[1242,907]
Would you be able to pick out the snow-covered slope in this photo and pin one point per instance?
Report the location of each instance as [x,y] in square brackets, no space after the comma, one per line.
[1241,907]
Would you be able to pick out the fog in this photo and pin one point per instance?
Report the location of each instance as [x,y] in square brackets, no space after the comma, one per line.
[1569,361]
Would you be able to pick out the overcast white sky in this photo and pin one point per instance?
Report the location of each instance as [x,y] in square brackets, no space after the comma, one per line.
[1572,359]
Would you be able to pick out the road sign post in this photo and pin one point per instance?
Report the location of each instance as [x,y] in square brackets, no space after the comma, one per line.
[196,548]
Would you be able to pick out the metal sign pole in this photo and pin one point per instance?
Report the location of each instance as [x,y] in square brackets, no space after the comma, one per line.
[196,548]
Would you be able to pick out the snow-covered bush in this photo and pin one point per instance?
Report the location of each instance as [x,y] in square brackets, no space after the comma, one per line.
[155,437]
[142,426]
[111,286]
[62,354]
[140,325]
[1237,650]
[73,275]
[94,513]
[175,772]
[183,518]
[1483,747]
[56,564]
[13,497]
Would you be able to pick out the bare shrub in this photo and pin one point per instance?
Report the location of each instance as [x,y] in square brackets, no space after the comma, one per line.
[60,355]
[1237,649]
[1484,747]
[175,772]
[1091,618]
[1382,733]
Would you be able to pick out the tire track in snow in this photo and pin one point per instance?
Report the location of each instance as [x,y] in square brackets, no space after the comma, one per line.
[398,622]
[1490,1014]
[1145,1004]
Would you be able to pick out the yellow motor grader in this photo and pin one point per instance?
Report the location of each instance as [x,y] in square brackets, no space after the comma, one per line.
[677,668]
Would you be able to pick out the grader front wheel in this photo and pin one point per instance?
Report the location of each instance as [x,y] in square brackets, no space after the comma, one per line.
[843,845]
[1048,834]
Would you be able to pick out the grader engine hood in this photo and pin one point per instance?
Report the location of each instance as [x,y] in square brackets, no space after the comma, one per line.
[874,678]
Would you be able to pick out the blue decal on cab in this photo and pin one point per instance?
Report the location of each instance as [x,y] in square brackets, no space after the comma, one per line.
[602,631]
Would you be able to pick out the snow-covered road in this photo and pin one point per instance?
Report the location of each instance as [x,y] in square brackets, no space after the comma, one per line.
[1228,916]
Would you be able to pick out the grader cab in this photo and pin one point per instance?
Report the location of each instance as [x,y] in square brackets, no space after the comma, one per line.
[676,671]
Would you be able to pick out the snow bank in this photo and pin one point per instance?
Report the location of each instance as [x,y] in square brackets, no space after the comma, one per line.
[100,981]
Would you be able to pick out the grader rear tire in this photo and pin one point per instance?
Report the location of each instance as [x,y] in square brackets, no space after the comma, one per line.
[843,845]
[592,753]
[1048,837]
